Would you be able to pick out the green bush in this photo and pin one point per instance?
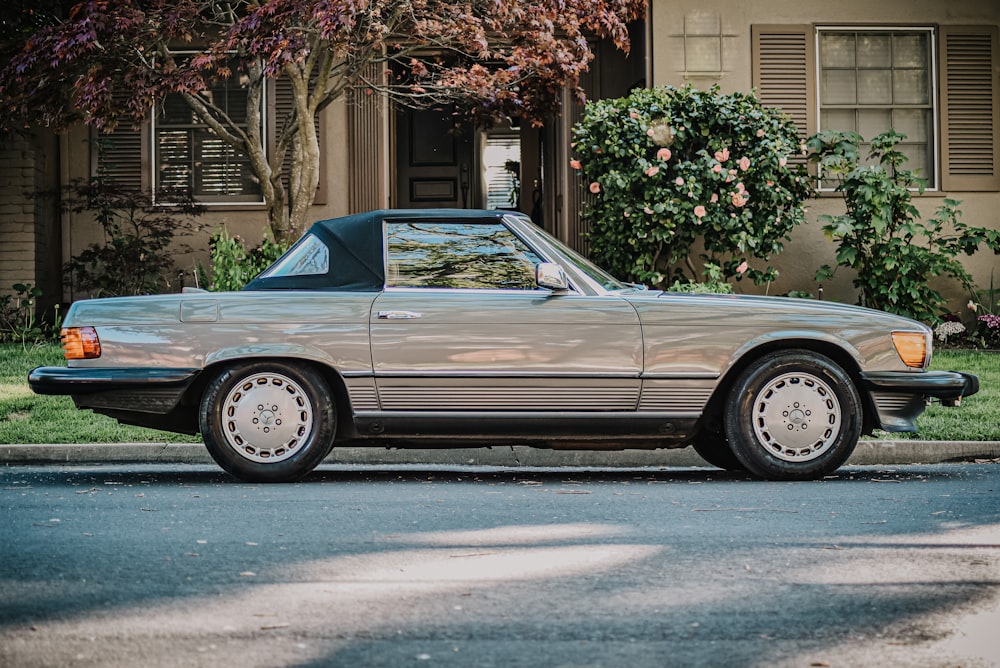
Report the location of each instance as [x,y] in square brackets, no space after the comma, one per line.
[234,265]
[881,235]
[670,167]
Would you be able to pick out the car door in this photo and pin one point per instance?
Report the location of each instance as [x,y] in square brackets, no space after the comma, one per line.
[462,326]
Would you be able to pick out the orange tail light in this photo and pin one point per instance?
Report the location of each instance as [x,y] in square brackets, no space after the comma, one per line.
[80,343]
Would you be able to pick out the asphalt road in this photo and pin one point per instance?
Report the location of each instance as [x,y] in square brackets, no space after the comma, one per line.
[180,565]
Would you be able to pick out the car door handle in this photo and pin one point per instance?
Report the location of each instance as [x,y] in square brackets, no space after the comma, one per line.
[398,315]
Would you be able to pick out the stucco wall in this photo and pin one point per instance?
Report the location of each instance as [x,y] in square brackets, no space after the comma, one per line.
[809,248]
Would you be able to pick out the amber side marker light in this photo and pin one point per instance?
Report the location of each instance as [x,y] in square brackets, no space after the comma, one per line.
[80,343]
[912,348]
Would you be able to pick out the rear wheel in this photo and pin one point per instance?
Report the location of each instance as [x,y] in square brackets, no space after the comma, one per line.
[793,415]
[268,421]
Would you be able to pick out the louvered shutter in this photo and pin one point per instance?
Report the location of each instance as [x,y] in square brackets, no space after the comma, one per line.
[783,73]
[120,157]
[970,108]
[283,105]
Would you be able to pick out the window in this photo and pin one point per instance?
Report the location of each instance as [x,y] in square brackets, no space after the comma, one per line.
[309,257]
[871,81]
[188,156]
[936,86]
[457,255]
[174,149]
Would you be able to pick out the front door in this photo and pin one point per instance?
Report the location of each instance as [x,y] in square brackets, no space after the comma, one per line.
[436,160]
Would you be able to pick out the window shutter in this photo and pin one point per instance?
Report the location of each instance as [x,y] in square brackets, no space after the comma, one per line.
[119,158]
[784,73]
[283,105]
[970,109]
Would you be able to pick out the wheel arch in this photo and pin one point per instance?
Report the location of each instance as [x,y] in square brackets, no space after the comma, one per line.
[334,380]
[836,351]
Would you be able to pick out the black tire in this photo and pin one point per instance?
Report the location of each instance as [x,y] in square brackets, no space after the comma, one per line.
[793,415]
[268,421]
[714,449]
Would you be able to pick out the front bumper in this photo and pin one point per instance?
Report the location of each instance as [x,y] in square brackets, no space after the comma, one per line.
[899,398]
[948,386]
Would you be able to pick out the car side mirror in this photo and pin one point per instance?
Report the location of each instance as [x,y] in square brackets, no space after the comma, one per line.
[551,276]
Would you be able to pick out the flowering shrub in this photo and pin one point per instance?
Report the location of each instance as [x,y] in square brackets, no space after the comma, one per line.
[673,166]
[989,330]
[881,236]
[950,329]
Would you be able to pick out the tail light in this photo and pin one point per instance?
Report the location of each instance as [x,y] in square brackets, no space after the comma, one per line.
[80,343]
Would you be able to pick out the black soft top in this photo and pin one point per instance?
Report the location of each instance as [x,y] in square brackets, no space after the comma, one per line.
[357,262]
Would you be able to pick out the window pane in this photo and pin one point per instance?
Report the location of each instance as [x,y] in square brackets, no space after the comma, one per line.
[911,50]
[914,123]
[837,50]
[910,87]
[457,255]
[875,86]
[502,170]
[839,87]
[873,122]
[842,120]
[874,51]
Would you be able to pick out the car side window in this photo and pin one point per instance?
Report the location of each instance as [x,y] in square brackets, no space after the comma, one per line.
[457,255]
[308,257]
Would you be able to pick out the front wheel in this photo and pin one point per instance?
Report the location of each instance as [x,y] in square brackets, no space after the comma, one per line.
[793,415]
[268,421]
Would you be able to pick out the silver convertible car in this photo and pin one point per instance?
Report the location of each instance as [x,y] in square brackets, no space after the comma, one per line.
[447,328]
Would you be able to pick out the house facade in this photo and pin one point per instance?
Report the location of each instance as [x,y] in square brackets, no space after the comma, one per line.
[927,68]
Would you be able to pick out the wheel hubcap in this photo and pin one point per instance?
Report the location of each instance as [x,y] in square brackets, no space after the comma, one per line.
[267,417]
[796,417]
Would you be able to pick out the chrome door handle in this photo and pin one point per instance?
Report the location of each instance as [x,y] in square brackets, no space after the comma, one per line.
[398,315]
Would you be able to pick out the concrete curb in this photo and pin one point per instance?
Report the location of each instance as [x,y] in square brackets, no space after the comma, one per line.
[868,452]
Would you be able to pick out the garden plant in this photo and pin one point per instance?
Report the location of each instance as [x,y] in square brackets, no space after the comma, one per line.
[688,183]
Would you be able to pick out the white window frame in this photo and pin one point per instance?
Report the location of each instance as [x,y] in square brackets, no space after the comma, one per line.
[935,82]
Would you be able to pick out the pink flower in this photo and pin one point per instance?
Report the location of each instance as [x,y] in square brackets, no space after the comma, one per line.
[649,132]
[595,187]
[782,161]
[679,181]
[575,164]
[652,171]
[760,133]
[742,268]
[633,113]
[664,154]
[744,163]
[740,188]
[647,210]
[717,168]
[722,155]
[700,211]
[739,199]
[714,198]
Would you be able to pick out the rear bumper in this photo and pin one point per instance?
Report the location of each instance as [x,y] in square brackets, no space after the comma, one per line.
[77,381]
[899,398]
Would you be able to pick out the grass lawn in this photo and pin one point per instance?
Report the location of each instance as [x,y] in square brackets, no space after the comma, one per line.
[26,417]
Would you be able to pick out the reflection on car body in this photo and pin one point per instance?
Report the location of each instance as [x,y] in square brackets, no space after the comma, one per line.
[445,328]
